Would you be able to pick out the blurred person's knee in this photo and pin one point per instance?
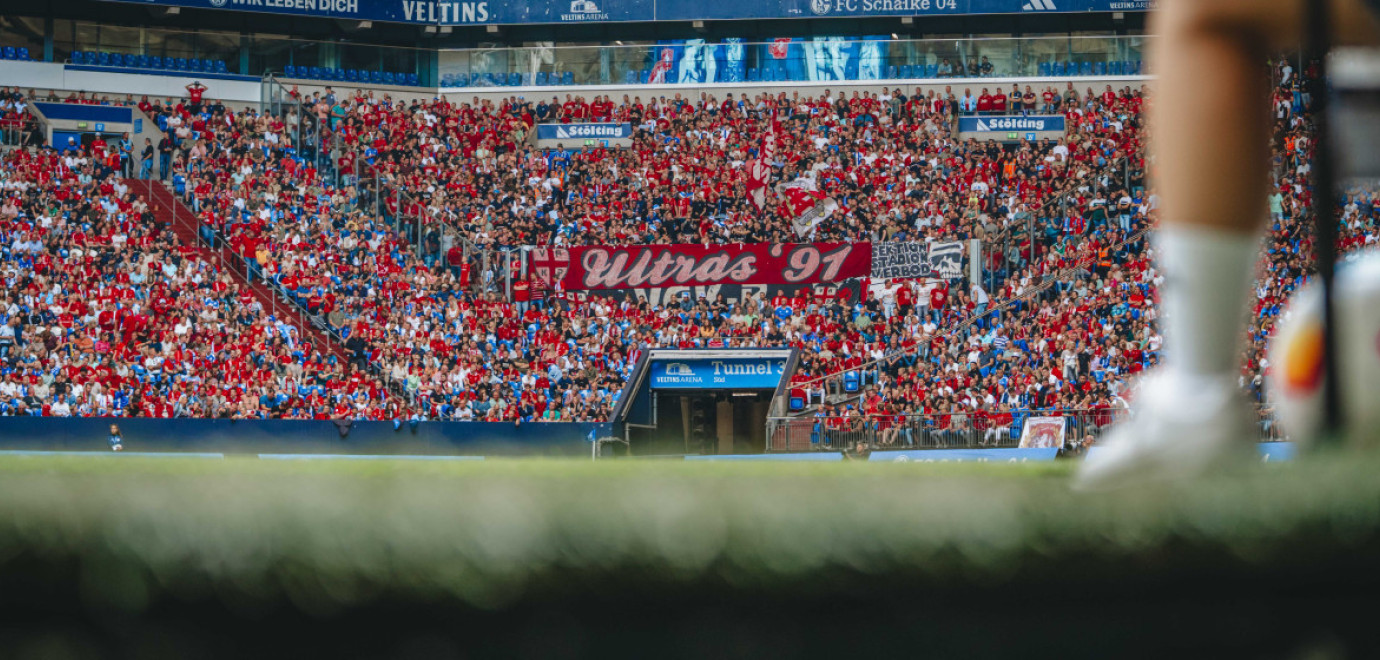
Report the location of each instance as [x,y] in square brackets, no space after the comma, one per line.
[1267,24]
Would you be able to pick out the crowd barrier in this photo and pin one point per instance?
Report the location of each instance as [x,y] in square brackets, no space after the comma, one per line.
[943,431]
[956,430]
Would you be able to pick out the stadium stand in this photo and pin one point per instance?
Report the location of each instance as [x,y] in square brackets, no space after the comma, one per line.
[1063,315]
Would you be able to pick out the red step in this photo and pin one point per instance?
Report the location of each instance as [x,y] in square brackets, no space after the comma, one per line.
[173,213]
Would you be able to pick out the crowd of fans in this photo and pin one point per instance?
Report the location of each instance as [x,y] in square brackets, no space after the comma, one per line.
[363,221]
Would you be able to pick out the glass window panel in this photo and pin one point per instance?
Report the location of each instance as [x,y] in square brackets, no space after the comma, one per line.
[307,53]
[120,39]
[399,60]
[64,41]
[223,46]
[268,53]
[167,43]
[86,36]
[22,32]
[364,58]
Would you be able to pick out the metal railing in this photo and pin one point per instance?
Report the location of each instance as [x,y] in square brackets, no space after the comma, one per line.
[958,430]
[236,265]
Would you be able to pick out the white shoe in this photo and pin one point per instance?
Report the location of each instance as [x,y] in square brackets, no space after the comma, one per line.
[1181,427]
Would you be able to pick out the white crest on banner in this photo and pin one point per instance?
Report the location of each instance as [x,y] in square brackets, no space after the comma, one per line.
[1042,433]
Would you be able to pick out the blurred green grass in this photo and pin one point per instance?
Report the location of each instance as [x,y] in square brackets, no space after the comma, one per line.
[325,536]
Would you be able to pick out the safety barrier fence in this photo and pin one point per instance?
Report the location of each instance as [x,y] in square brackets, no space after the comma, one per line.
[1000,429]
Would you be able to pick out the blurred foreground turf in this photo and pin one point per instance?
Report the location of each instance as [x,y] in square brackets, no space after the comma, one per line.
[861,550]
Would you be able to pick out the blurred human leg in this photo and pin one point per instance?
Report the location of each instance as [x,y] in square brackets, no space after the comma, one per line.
[1210,128]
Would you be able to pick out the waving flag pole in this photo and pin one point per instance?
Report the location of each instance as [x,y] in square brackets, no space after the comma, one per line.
[759,169]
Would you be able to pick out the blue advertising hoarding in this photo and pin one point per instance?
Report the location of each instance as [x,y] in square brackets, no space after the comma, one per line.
[718,374]
[589,131]
[1014,123]
[965,455]
[516,12]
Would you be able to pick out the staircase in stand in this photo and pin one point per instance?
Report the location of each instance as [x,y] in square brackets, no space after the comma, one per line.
[172,213]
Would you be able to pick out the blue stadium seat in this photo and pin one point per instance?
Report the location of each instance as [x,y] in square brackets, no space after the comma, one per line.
[155,62]
[221,68]
[413,80]
[797,403]
[851,382]
[1100,69]
[389,78]
[351,75]
[116,59]
[769,74]
[931,70]
[1086,69]
[1135,68]
[314,72]
[194,65]
[462,80]
[180,64]
[630,77]
[568,78]
[375,78]
[289,71]
[908,71]
[514,79]
[10,53]
[754,75]
[1044,69]
[208,66]
[103,59]
[338,74]
[891,72]
[541,78]
[24,53]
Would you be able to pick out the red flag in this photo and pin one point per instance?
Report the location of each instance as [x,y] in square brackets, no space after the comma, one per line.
[759,169]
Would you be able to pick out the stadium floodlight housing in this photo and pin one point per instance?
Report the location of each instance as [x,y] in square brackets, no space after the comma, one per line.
[446,29]
[698,25]
[430,29]
[492,29]
[907,20]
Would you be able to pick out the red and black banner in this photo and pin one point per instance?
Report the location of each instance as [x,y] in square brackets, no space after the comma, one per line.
[656,266]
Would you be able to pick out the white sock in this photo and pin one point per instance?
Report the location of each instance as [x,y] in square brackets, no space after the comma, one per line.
[1207,288]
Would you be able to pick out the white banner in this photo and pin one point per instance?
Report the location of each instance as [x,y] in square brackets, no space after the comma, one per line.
[1043,433]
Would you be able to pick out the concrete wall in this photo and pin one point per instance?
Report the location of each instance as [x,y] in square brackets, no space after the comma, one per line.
[43,76]
[299,437]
